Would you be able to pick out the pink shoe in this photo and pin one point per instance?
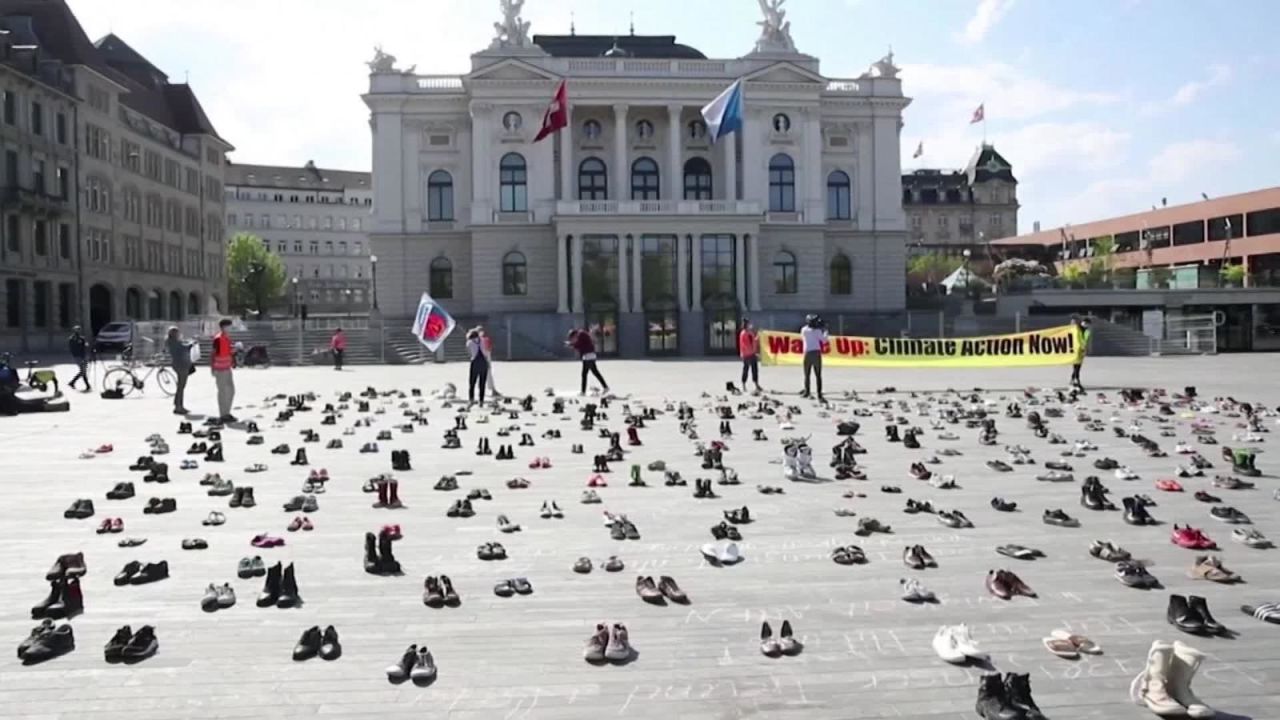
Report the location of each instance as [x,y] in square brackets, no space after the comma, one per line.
[597,481]
[546,462]
[266,541]
[1185,537]
[296,525]
[1203,542]
[306,523]
[102,449]
[535,463]
[1168,485]
[315,475]
[392,531]
[324,475]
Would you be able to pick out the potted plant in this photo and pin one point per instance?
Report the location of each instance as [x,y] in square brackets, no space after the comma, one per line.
[1232,275]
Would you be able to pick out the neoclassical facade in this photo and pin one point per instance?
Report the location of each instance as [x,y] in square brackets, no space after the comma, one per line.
[630,220]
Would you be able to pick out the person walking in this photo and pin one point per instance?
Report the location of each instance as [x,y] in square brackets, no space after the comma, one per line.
[221,365]
[1084,333]
[581,341]
[749,352]
[180,359]
[813,335]
[338,347]
[79,348]
[486,344]
[478,375]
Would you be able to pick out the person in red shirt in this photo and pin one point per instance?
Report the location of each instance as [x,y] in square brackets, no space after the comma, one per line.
[749,351]
[582,343]
[338,346]
[221,364]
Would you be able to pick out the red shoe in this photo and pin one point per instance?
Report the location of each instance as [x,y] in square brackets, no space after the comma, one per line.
[324,475]
[1168,485]
[104,449]
[1203,542]
[1185,537]
[535,463]
[117,525]
[597,481]
[392,531]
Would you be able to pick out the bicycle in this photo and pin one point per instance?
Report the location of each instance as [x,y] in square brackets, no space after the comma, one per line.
[124,377]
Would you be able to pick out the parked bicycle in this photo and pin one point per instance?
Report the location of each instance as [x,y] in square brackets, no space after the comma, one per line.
[129,375]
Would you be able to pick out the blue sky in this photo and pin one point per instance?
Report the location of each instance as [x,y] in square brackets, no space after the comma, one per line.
[1102,106]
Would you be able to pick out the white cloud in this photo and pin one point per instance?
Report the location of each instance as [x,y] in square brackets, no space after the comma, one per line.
[1190,91]
[1008,92]
[987,15]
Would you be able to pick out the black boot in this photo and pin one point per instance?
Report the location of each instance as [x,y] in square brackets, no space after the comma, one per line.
[390,565]
[55,594]
[891,433]
[271,588]
[993,703]
[371,562]
[1017,687]
[1201,608]
[288,589]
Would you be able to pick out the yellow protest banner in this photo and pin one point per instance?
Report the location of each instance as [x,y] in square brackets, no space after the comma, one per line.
[1053,346]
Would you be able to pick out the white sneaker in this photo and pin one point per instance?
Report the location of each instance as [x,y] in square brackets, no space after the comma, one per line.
[913,591]
[1124,473]
[726,554]
[965,642]
[943,482]
[1183,449]
[945,645]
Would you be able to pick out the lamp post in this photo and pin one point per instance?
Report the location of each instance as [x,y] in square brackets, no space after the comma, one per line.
[297,303]
[373,263]
[382,339]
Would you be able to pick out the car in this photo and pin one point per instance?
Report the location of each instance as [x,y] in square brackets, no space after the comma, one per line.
[114,336]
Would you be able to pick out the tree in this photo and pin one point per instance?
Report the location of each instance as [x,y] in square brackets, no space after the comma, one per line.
[1233,275]
[933,267]
[256,277]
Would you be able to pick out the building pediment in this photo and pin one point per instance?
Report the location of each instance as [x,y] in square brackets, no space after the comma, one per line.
[511,69]
[785,72]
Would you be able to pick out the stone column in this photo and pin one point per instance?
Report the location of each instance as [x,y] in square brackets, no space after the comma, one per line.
[814,182]
[576,241]
[729,146]
[389,192]
[621,170]
[682,272]
[623,276]
[566,159]
[673,190]
[481,163]
[562,275]
[740,269]
[696,242]
[756,276]
[637,275]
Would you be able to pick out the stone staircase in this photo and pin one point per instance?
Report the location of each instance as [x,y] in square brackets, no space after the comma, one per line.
[1110,339]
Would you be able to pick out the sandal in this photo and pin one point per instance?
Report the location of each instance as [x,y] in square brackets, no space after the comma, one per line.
[1079,642]
[1062,648]
[215,518]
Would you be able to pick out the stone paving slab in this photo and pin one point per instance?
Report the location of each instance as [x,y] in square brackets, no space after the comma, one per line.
[867,654]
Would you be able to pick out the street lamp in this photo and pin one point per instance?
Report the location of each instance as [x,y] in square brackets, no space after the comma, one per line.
[297,304]
[373,260]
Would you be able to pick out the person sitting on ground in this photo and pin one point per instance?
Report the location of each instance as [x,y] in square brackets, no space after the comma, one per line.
[12,404]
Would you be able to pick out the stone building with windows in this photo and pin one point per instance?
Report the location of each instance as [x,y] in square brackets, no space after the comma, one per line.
[630,220]
[146,183]
[949,211]
[317,222]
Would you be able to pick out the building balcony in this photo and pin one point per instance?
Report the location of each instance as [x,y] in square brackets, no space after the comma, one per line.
[657,207]
[24,199]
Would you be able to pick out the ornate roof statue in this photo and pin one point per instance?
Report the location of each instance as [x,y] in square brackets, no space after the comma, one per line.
[775,29]
[512,31]
[386,63]
[885,68]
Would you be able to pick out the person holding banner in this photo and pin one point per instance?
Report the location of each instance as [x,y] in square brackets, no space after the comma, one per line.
[813,335]
[581,341]
[1083,334]
[478,375]
[749,352]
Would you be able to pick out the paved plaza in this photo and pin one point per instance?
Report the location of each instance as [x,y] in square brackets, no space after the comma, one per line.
[866,653]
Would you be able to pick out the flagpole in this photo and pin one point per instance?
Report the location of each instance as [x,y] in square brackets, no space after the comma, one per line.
[984,122]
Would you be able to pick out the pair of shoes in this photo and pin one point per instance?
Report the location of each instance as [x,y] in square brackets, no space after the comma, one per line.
[513,586]
[121,491]
[242,497]
[608,643]
[917,558]
[438,592]
[954,644]
[80,509]
[65,599]
[135,573]
[550,510]
[218,597]
[722,554]
[460,508]
[159,506]
[416,664]
[784,644]
[1068,645]
[659,592]
[46,641]
[1191,615]
[848,555]
[378,556]
[1004,585]
[491,551]
[305,503]
[1210,567]
[388,493]
[314,642]
[280,588]
[1007,697]
[1164,685]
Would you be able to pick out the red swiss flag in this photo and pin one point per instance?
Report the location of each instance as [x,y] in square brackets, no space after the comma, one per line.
[557,114]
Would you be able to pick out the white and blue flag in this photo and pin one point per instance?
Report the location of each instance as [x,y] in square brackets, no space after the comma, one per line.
[724,114]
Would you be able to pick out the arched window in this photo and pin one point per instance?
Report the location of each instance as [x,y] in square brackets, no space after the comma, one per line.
[644,179]
[512,184]
[133,303]
[697,179]
[838,196]
[841,275]
[175,305]
[155,305]
[440,282]
[515,274]
[593,180]
[784,273]
[782,184]
[439,196]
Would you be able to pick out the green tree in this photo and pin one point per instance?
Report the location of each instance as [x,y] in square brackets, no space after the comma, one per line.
[933,267]
[255,276]
[1233,275]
